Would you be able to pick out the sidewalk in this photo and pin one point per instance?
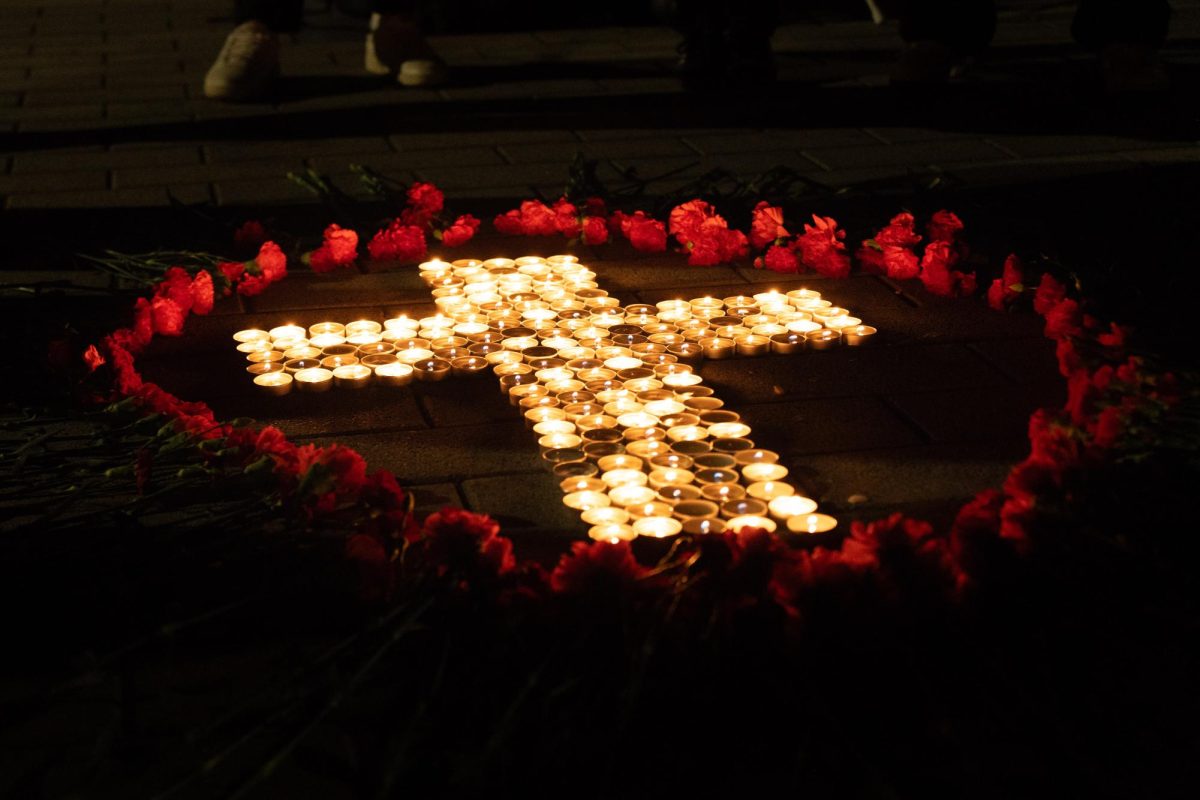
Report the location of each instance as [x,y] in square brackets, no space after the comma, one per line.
[102,107]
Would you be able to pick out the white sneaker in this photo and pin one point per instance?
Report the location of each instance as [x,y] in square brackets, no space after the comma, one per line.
[395,46]
[247,66]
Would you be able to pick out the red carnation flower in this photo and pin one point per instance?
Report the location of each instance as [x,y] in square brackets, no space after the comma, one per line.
[781,258]
[822,249]
[938,275]
[1049,293]
[463,542]
[900,232]
[509,223]
[92,358]
[272,262]
[202,292]
[566,218]
[597,569]
[1064,320]
[595,230]
[461,231]
[687,218]
[252,285]
[944,226]
[900,263]
[646,234]
[339,249]
[176,285]
[232,270]
[766,225]
[1008,287]
[427,199]
[595,207]
[398,242]
[369,557]
[167,316]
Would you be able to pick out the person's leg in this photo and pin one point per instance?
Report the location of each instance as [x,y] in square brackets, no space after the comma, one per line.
[395,45]
[248,64]
[277,15]
[1126,34]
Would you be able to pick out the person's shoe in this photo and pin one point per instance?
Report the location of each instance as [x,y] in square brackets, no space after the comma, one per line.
[1132,69]
[395,46]
[247,66]
[925,62]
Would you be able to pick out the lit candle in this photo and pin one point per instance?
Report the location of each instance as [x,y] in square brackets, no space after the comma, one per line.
[582,501]
[784,507]
[431,369]
[716,347]
[552,441]
[811,523]
[256,346]
[274,383]
[582,483]
[762,470]
[657,527]
[605,516]
[751,521]
[757,456]
[751,344]
[840,323]
[351,376]
[681,380]
[624,477]
[769,490]
[394,374]
[822,339]
[553,426]
[620,461]
[857,335]
[612,532]
[632,496]
[314,380]
[787,343]
[669,476]
[251,335]
[324,340]
[411,355]
[287,332]
[728,430]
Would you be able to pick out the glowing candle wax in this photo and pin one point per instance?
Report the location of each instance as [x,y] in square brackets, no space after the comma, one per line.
[769,490]
[394,374]
[763,470]
[612,532]
[288,332]
[624,477]
[751,521]
[657,527]
[631,496]
[811,523]
[313,380]
[582,501]
[784,507]
[274,383]
[252,335]
[728,430]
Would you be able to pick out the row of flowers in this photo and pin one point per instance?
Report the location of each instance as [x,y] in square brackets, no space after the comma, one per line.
[1110,394]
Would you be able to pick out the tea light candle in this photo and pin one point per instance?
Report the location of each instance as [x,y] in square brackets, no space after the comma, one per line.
[804,326]
[287,332]
[669,476]
[811,523]
[607,515]
[857,335]
[316,379]
[553,426]
[581,483]
[301,352]
[728,430]
[620,461]
[394,374]
[673,494]
[762,470]
[264,367]
[702,526]
[787,506]
[751,521]
[657,527]
[274,383]
[757,456]
[465,366]
[351,376]
[558,441]
[256,346]
[824,339]
[583,501]
[363,338]
[431,369]
[723,492]
[631,497]
[333,362]
[787,343]
[624,477]
[324,340]
[612,532]
[769,490]
[716,347]
[251,335]
[681,380]
[752,345]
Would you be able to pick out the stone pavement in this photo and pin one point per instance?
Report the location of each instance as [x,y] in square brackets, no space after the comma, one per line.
[100,107]
[100,113]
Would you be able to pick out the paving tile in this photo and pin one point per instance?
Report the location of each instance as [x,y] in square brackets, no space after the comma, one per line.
[298,149]
[915,153]
[975,414]
[1023,360]
[260,192]
[525,501]
[850,371]
[345,289]
[148,197]
[719,144]
[404,142]
[27,182]
[563,153]
[164,175]
[327,416]
[825,425]
[472,451]
[97,158]
[431,497]
[465,180]
[626,280]
[468,401]
[890,478]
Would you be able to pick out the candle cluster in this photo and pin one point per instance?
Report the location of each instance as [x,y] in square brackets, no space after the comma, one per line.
[640,444]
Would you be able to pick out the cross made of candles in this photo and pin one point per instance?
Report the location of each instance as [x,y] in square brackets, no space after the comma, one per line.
[640,445]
